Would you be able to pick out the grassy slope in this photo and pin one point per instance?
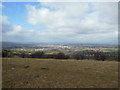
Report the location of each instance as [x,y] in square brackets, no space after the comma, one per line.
[44,73]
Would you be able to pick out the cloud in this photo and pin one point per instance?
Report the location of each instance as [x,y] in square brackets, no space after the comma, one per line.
[67,23]
[14,33]
[75,19]
[6,26]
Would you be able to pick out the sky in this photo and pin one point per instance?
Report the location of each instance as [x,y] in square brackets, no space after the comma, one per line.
[60,22]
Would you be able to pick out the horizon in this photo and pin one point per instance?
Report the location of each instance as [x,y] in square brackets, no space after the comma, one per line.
[60,22]
[59,43]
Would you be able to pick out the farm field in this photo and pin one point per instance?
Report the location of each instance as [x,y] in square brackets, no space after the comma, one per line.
[52,73]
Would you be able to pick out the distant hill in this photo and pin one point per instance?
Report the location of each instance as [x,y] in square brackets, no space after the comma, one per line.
[9,44]
[16,45]
[12,44]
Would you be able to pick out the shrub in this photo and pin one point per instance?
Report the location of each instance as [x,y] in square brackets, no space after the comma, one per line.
[60,56]
[37,55]
[6,53]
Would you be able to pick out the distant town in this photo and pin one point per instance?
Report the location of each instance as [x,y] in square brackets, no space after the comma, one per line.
[71,50]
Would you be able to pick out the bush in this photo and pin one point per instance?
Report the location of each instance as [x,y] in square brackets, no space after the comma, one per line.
[76,56]
[25,55]
[60,56]
[37,55]
[50,56]
[6,53]
[97,55]
[100,56]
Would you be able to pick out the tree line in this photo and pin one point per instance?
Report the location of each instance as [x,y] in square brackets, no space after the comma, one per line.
[60,55]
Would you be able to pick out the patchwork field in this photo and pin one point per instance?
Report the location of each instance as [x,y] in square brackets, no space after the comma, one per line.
[51,73]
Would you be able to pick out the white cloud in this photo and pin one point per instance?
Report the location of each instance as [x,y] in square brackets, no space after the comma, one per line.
[6,26]
[70,22]
[14,33]
[76,20]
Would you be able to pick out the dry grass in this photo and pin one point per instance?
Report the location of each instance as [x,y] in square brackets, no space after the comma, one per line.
[50,73]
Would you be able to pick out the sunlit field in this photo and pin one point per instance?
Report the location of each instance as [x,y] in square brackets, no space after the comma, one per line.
[52,73]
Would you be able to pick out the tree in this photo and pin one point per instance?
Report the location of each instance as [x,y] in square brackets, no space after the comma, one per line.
[60,56]
[102,57]
[6,53]
[67,56]
[24,55]
[38,54]
[49,56]
[97,56]
[82,56]
[77,56]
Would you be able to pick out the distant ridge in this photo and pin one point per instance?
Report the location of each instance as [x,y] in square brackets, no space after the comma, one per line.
[15,44]
[9,44]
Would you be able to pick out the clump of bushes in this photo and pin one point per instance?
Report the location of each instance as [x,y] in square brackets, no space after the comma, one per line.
[7,53]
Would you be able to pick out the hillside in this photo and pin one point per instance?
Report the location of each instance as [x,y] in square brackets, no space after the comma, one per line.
[51,73]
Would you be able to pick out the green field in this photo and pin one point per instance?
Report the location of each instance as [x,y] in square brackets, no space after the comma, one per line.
[51,73]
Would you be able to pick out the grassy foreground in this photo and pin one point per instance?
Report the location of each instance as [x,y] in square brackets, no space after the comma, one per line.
[50,73]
